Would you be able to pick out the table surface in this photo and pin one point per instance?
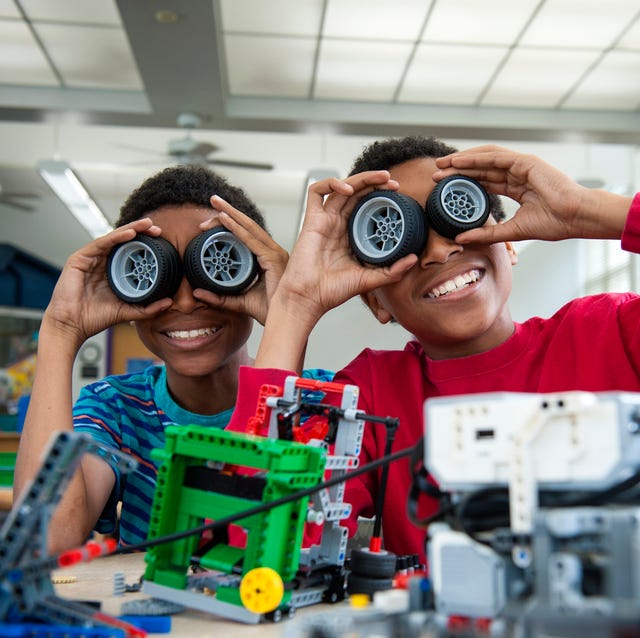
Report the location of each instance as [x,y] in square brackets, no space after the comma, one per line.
[94,581]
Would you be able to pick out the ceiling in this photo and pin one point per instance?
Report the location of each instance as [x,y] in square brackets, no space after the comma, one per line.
[300,84]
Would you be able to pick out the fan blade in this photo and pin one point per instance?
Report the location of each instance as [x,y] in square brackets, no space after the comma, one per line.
[202,149]
[19,194]
[238,164]
[5,201]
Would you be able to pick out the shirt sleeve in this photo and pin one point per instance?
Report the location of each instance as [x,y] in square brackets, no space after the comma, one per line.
[631,234]
[93,415]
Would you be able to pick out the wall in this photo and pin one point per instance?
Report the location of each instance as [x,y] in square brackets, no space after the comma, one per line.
[91,362]
[548,274]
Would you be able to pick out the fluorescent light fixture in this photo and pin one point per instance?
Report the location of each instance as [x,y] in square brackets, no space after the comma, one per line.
[65,184]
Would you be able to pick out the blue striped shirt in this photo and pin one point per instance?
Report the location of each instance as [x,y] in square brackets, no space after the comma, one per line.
[130,412]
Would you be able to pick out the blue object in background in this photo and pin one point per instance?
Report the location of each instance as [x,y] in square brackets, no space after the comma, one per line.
[23,404]
[26,281]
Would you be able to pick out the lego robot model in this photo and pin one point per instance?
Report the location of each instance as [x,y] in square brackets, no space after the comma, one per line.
[208,474]
[542,524]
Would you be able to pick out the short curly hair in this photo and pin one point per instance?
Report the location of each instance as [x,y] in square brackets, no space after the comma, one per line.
[185,184]
[387,153]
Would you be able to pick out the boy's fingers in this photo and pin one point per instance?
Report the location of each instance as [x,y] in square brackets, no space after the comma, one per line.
[126,233]
[492,234]
[376,277]
[252,235]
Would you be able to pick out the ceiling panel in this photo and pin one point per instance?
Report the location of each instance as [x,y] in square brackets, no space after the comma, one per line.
[8,9]
[276,17]
[375,20]
[90,56]
[580,23]
[538,78]
[255,65]
[21,60]
[472,22]
[72,11]
[360,71]
[607,85]
[445,74]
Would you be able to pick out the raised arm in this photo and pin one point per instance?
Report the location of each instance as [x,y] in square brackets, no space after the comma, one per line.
[81,306]
[552,205]
[321,273]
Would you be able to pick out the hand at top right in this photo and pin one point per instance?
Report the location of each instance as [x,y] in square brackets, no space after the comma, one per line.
[552,205]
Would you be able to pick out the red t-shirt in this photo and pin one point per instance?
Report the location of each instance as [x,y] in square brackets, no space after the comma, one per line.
[590,344]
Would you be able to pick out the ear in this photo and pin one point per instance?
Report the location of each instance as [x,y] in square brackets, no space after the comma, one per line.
[378,310]
[512,252]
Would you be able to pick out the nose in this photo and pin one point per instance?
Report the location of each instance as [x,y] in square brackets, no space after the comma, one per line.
[183,299]
[438,249]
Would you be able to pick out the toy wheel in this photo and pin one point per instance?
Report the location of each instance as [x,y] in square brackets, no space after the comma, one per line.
[261,590]
[144,269]
[218,261]
[373,564]
[385,226]
[457,204]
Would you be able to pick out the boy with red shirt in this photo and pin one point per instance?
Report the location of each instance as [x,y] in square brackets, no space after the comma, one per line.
[465,340]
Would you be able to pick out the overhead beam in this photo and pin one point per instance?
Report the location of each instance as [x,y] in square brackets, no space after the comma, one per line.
[445,120]
[176,50]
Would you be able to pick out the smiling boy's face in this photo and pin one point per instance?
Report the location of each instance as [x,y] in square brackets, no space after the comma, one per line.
[454,299]
[193,339]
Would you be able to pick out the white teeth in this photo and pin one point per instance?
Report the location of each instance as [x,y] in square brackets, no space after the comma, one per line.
[190,334]
[458,282]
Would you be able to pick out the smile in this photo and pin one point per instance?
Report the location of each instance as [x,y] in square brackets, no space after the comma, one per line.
[457,283]
[191,334]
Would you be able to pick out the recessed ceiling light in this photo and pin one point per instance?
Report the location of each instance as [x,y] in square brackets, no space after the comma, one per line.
[166,17]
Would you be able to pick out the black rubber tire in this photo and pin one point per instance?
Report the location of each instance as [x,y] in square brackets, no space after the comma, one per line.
[144,270]
[456,204]
[357,584]
[386,226]
[364,562]
[217,260]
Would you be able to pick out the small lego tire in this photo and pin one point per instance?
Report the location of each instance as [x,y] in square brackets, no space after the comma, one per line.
[380,564]
[261,590]
[144,270]
[386,226]
[217,260]
[456,204]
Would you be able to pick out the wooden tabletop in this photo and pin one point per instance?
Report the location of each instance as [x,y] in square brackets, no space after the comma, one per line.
[94,581]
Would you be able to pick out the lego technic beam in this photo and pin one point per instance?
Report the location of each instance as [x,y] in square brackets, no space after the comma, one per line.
[26,590]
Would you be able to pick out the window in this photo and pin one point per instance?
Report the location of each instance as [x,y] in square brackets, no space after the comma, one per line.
[609,268]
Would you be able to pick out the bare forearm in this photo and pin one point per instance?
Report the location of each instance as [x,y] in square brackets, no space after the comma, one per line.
[50,410]
[604,214]
[285,335]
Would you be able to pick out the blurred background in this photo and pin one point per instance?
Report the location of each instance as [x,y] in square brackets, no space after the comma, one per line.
[273,94]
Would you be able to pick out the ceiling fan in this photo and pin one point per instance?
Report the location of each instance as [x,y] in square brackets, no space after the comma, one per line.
[13,199]
[188,150]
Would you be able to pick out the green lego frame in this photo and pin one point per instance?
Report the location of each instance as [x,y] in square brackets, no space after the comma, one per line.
[265,469]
